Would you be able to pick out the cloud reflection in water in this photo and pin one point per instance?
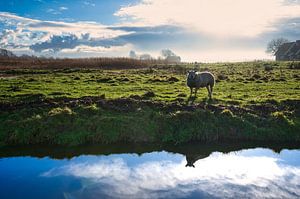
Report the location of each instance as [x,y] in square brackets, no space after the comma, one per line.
[232,175]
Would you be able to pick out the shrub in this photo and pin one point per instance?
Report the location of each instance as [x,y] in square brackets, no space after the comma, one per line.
[58,111]
[281,117]
[268,67]
[294,65]
[173,79]
[149,94]
[227,112]
[222,77]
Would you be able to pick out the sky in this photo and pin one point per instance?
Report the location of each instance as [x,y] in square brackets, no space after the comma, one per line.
[195,30]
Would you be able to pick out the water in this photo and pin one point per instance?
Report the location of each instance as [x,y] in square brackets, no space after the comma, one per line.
[186,172]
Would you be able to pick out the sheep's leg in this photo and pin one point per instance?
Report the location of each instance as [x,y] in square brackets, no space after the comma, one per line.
[208,90]
[191,91]
[211,90]
[196,89]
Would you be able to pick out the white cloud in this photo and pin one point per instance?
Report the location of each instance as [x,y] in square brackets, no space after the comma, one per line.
[58,28]
[5,16]
[52,11]
[222,18]
[223,54]
[98,51]
[88,3]
[57,12]
[24,32]
[62,8]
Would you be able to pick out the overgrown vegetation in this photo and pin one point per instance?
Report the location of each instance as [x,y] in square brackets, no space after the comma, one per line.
[251,101]
[65,63]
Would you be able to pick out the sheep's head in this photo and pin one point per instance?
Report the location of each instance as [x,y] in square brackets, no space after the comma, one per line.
[191,74]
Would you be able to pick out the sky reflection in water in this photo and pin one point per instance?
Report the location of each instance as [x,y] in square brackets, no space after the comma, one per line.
[252,173]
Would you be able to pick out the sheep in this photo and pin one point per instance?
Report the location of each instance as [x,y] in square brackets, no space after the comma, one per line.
[199,80]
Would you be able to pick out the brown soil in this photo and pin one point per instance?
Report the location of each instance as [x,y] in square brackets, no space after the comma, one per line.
[134,103]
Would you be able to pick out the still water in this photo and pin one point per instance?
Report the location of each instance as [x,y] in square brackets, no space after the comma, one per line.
[243,173]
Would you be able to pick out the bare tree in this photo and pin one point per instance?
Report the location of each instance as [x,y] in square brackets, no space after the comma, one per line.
[274,45]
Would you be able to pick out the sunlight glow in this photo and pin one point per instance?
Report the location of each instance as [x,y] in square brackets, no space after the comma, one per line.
[222,18]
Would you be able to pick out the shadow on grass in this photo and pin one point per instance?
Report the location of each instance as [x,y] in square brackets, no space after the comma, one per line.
[191,100]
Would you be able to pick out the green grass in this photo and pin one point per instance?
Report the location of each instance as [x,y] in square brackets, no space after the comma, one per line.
[238,85]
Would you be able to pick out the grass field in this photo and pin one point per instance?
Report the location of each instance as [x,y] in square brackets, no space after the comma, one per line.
[238,83]
[251,100]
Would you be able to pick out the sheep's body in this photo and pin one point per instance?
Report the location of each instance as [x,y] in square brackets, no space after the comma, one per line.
[199,80]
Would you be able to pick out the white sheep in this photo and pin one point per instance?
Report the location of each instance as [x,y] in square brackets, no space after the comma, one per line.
[199,80]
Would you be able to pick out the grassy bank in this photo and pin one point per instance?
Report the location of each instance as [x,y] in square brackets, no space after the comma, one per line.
[74,124]
[256,101]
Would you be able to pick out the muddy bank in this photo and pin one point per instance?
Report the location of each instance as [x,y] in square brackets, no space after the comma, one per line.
[134,103]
